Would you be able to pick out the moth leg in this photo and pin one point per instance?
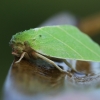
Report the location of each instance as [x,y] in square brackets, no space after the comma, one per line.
[21,57]
[52,62]
[67,63]
[72,66]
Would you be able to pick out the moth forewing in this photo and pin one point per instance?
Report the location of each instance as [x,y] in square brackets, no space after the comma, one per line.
[61,41]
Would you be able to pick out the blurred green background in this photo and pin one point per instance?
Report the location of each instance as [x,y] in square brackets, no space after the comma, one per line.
[19,15]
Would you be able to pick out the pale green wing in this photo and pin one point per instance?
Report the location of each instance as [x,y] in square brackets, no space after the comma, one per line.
[66,42]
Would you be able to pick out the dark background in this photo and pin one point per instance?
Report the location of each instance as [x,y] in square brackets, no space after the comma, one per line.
[19,15]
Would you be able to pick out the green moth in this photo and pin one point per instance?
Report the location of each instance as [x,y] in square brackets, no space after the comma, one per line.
[61,41]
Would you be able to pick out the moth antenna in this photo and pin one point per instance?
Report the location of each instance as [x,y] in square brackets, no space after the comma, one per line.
[52,62]
[22,56]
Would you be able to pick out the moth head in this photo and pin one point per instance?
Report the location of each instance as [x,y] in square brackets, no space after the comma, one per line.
[17,48]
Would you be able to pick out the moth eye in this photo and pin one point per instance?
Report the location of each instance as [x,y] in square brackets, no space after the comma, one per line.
[13,41]
[12,49]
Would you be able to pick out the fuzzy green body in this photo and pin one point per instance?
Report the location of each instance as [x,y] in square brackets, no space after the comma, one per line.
[65,42]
